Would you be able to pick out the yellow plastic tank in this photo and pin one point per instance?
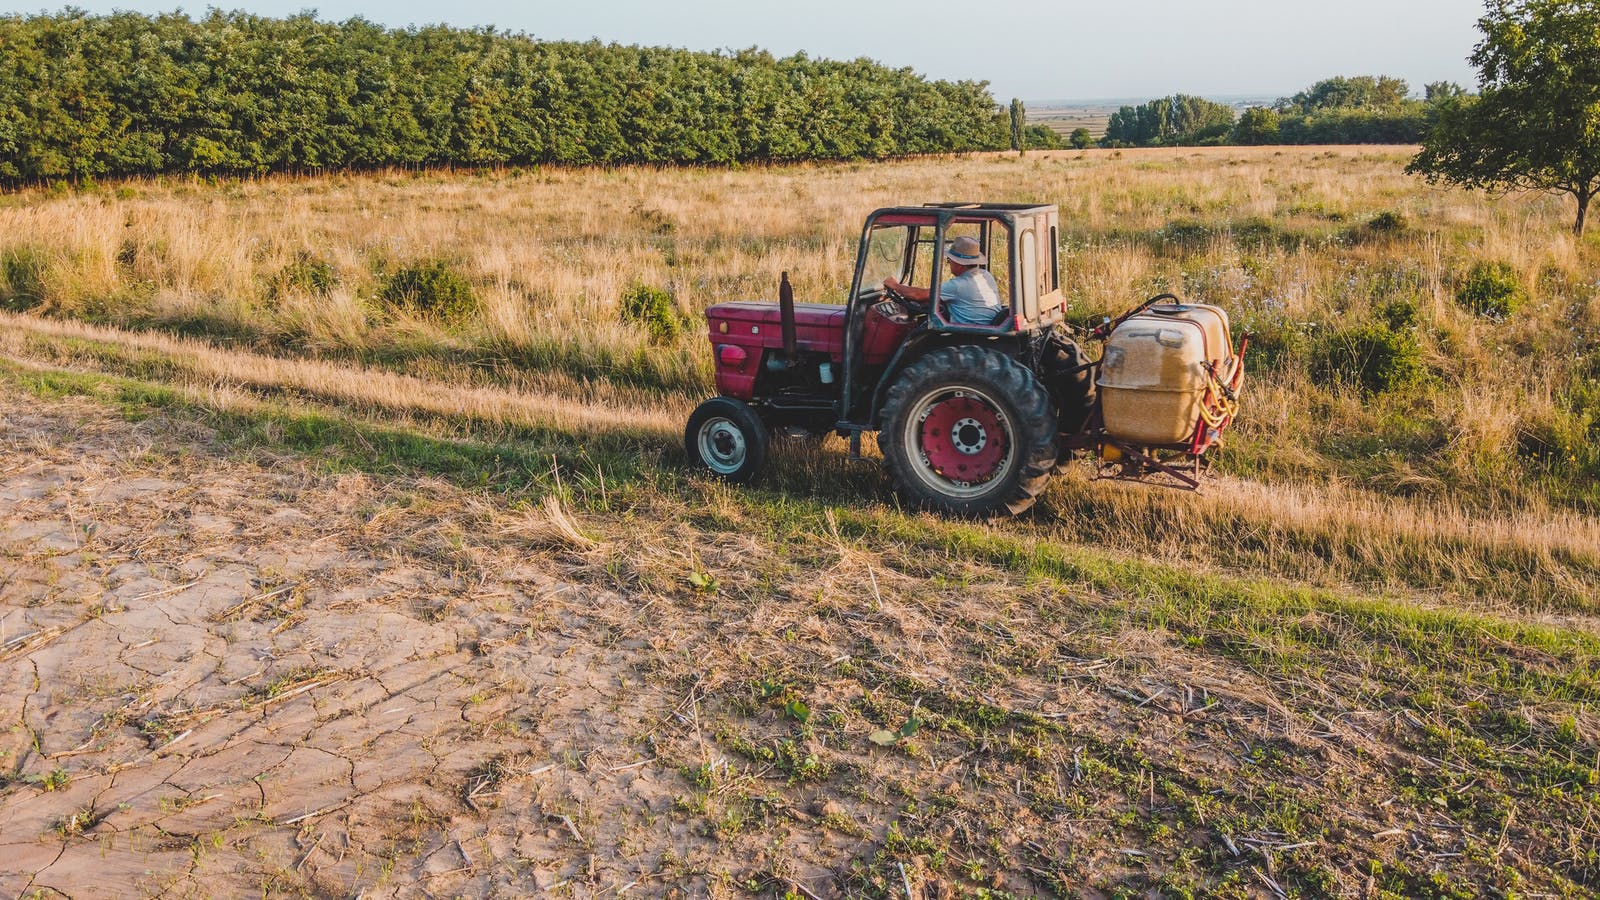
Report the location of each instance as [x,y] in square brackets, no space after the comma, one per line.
[1154,372]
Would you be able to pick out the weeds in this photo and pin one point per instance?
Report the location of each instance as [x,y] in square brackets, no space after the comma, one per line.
[1374,357]
[432,288]
[22,274]
[653,310]
[1491,289]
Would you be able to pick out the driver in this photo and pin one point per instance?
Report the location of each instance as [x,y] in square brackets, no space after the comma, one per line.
[970,295]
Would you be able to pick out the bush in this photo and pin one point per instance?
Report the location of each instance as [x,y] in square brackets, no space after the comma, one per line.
[1373,356]
[1387,222]
[1275,342]
[22,271]
[432,289]
[1399,315]
[1492,290]
[1385,226]
[653,309]
[308,274]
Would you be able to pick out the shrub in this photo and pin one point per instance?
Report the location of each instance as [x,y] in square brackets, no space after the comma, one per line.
[1372,356]
[431,288]
[653,309]
[308,274]
[1492,290]
[1254,230]
[1275,342]
[22,271]
[1399,314]
[1385,226]
[1387,222]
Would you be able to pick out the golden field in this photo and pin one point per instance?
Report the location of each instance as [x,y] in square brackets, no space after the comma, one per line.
[1362,662]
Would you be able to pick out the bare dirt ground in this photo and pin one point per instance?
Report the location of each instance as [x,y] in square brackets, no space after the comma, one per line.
[224,671]
[223,678]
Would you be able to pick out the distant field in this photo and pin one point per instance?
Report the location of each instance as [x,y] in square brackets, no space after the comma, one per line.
[1064,120]
[307,591]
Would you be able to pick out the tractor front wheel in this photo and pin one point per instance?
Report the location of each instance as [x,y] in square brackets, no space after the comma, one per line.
[969,431]
[726,436]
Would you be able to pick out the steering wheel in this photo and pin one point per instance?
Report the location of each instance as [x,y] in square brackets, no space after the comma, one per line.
[917,307]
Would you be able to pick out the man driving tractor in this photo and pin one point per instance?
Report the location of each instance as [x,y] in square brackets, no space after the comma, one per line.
[970,295]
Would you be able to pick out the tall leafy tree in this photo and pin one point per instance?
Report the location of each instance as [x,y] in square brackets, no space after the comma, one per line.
[1019,117]
[1535,124]
[1178,119]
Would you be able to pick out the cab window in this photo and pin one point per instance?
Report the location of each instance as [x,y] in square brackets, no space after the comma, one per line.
[886,256]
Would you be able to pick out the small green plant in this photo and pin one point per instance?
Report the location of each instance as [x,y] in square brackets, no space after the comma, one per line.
[1491,290]
[885,738]
[1384,226]
[308,274]
[1387,222]
[1373,356]
[431,288]
[56,779]
[654,310]
[22,271]
[797,710]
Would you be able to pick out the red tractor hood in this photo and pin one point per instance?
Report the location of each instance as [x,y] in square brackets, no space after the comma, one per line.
[760,312]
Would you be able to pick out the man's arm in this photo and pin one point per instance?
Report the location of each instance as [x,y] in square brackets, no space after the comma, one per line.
[919,294]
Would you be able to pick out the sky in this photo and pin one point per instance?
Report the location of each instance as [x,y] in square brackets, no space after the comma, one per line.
[1039,50]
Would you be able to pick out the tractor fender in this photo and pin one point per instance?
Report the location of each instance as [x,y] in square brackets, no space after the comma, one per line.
[919,344]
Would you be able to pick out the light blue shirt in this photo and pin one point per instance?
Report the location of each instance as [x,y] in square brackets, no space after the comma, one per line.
[971,298]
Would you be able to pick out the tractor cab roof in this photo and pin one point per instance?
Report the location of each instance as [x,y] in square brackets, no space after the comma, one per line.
[988,207]
[928,212]
[933,213]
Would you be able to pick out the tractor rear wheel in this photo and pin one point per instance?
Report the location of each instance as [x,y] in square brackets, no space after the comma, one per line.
[726,436]
[969,431]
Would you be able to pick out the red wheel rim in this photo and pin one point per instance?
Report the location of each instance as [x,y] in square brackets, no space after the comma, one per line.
[962,439]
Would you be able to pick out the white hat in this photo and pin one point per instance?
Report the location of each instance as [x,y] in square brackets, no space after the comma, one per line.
[964,251]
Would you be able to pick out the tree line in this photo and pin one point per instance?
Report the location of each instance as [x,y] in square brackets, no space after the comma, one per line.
[85,96]
[1341,110]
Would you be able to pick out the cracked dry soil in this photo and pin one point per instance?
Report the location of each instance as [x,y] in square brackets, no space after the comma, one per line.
[223,676]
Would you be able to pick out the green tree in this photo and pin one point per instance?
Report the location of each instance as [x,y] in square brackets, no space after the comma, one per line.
[1437,92]
[1019,117]
[1256,125]
[1081,138]
[1533,124]
[84,96]
[1364,91]
[1178,119]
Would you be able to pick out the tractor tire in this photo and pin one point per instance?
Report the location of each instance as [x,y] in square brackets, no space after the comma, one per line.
[969,432]
[726,436]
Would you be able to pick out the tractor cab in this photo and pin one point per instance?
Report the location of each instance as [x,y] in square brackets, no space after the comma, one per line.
[907,244]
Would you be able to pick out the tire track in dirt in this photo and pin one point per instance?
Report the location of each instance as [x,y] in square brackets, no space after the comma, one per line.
[219,676]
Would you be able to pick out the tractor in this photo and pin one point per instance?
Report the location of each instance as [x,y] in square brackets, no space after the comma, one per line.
[971,419]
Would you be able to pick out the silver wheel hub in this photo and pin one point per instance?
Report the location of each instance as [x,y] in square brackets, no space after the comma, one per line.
[969,437]
[722,446]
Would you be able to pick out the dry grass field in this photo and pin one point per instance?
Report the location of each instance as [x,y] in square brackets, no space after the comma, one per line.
[309,590]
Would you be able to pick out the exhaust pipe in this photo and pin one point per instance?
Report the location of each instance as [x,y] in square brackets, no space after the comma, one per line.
[786,314]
